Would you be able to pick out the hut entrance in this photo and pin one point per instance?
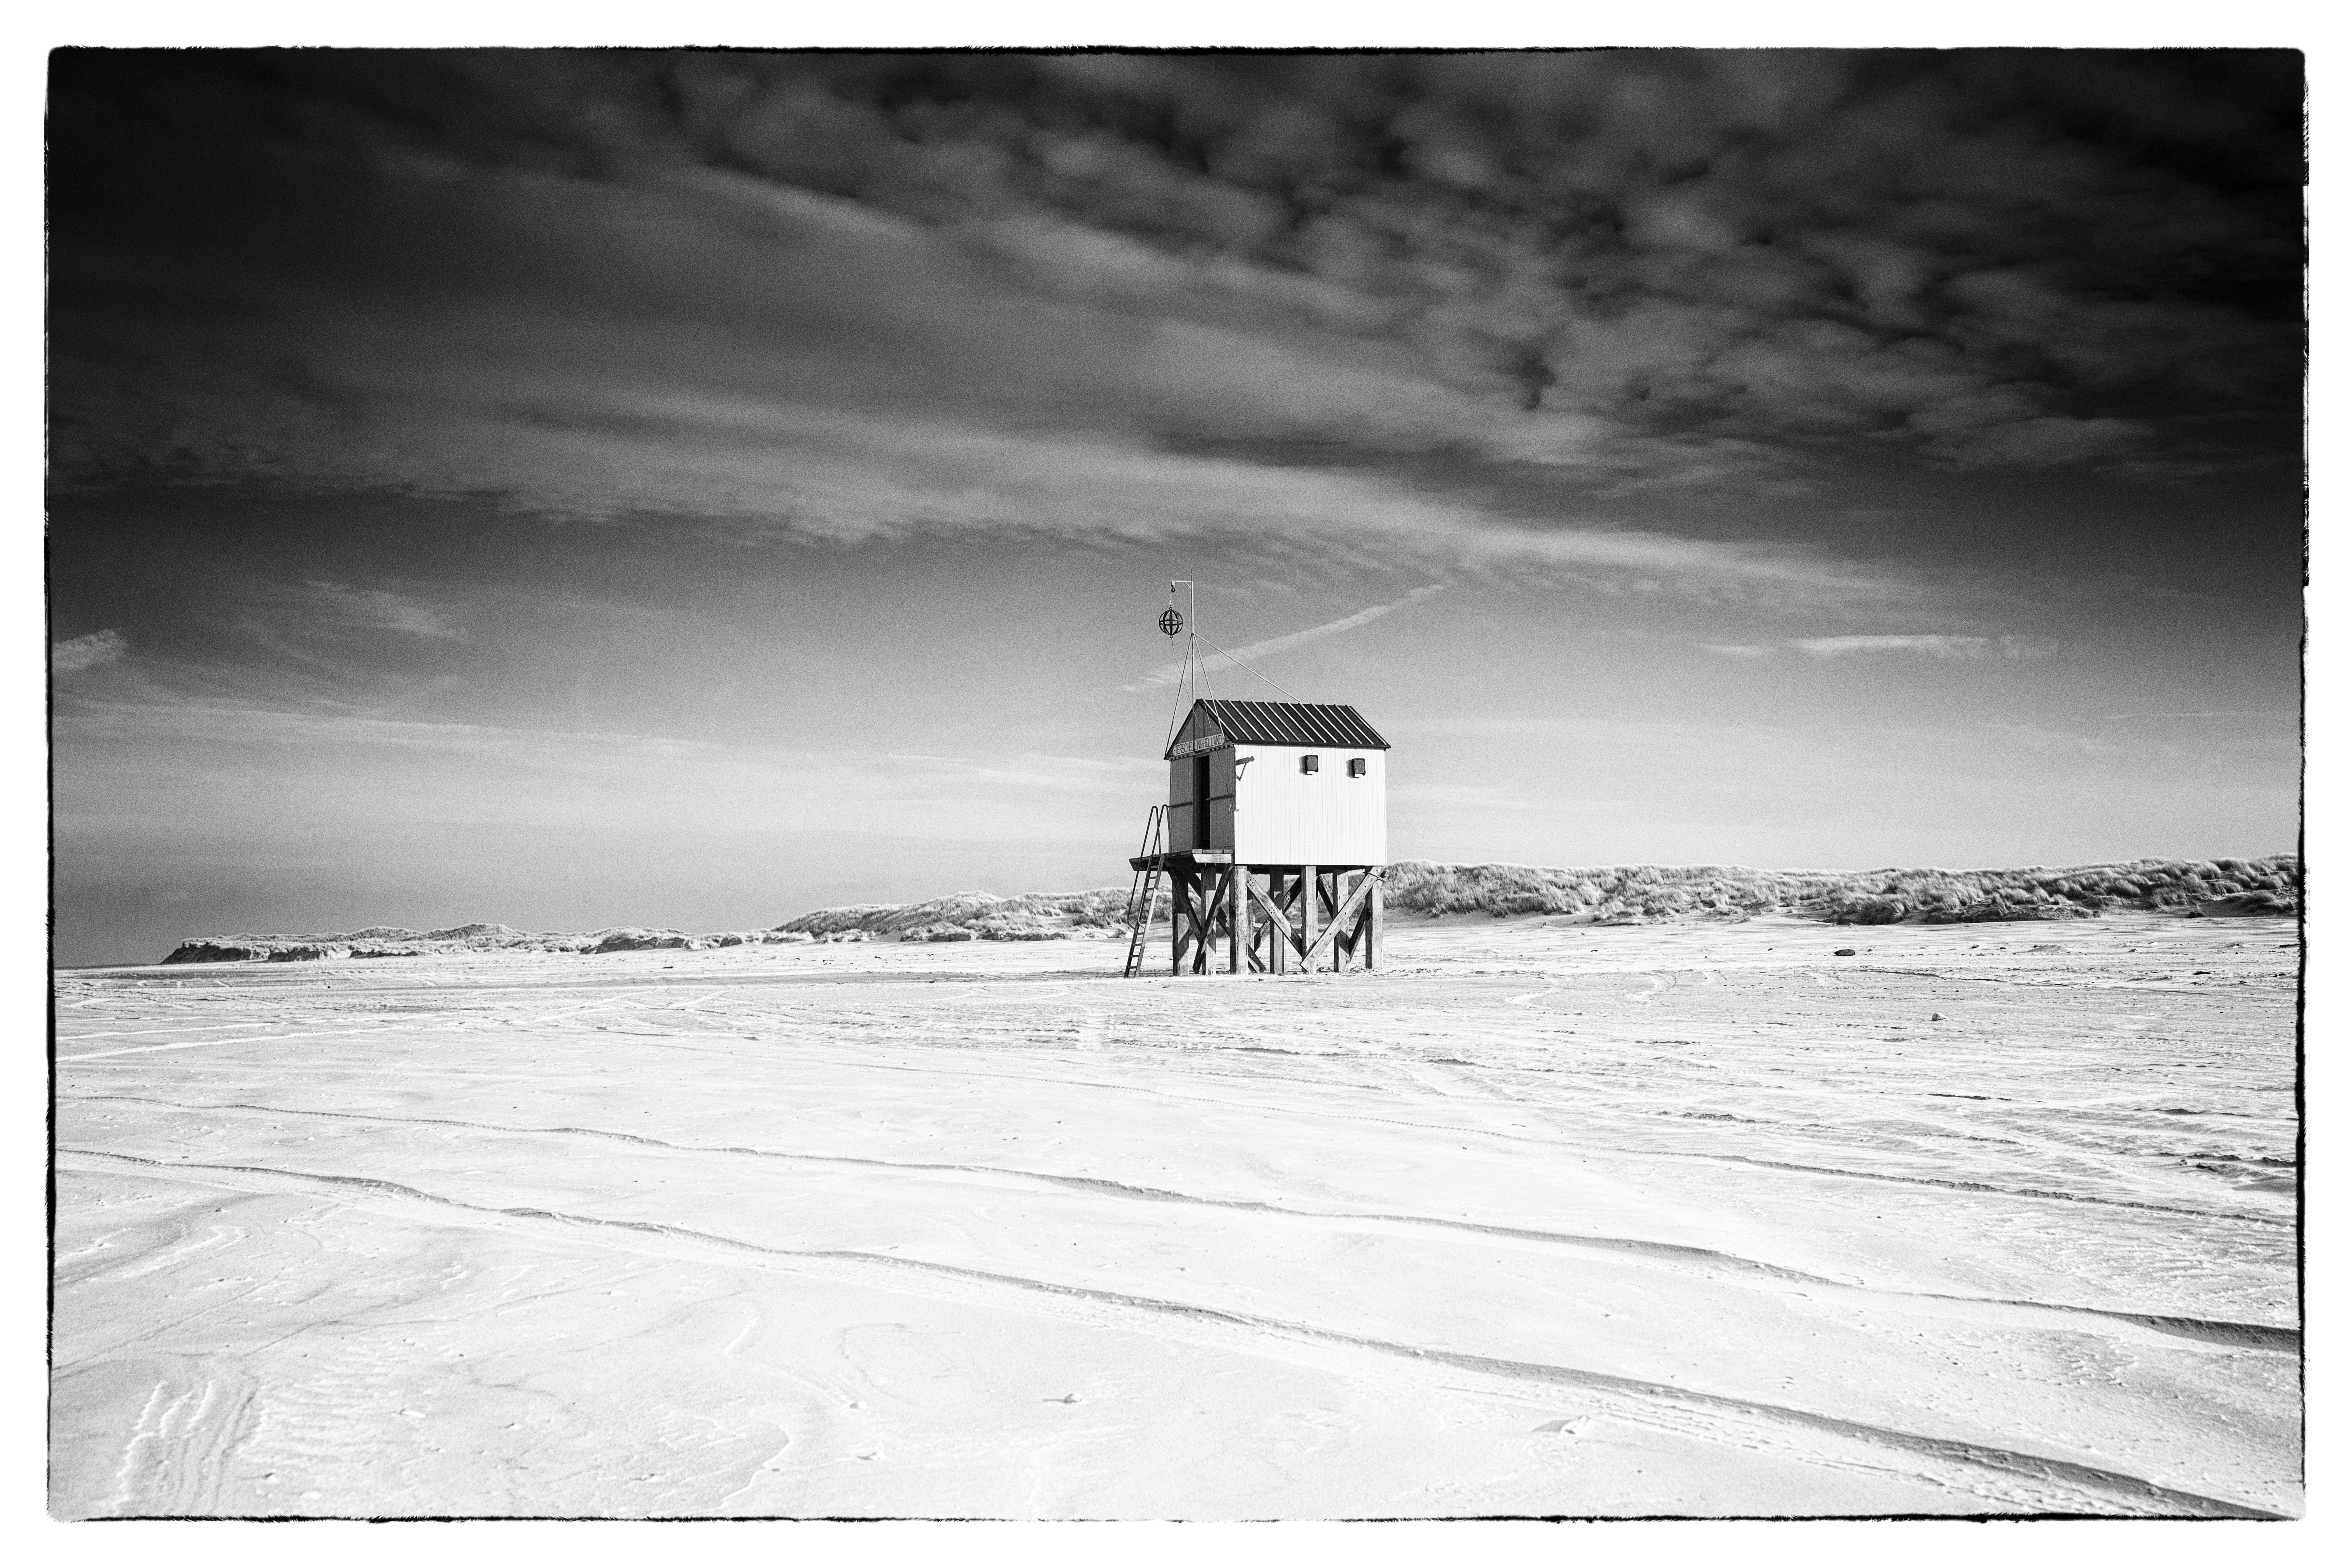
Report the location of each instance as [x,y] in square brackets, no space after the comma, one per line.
[1201,839]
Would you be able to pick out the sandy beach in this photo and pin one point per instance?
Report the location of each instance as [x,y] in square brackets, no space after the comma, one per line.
[1541,1219]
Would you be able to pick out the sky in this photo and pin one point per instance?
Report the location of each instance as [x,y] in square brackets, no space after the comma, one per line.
[574,490]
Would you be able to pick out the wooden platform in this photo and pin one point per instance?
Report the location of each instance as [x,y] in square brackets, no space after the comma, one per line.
[1175,857]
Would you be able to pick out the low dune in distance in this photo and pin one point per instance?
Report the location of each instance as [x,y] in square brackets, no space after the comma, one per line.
[1629,894]
[398,941]
[1609,895]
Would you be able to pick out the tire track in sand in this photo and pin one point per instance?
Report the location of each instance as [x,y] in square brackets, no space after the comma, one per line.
[2006,1477]
[1998,1311]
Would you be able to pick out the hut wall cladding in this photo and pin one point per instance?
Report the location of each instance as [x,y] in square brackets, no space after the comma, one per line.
[1289,817]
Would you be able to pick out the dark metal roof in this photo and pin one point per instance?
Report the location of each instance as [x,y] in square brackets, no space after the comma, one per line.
[1334,724]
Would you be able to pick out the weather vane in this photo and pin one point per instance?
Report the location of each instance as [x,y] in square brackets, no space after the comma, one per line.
[1171,620]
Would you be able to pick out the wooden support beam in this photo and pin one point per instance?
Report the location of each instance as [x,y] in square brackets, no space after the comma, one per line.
[1294,892]
[1335,924]
[1196,935]
[1343,949]
[1374,919]
[1204,939]
[1180,915]
[1237,919]
[1331,928]
[1310,891]
[1196,927]
[1204,935]
[1293,948]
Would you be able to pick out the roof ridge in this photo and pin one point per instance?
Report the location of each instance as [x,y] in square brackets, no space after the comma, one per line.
[1257,720]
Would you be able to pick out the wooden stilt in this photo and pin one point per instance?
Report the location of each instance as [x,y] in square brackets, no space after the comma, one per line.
[1237,919]
[1213,892]
[1344,944]
[1179,916]
[1253,959]
[1310,895]
[1204,934]
[1203,918]
[1361,895]
[1331,916]
[1277,932]
[1373,920]
[1343,937]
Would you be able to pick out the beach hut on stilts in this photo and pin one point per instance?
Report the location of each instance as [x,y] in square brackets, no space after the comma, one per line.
[1272,843]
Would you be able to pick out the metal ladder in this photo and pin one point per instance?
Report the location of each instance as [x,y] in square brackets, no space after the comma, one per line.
[1144,891]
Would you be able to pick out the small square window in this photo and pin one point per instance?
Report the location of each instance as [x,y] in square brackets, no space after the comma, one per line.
[1355,767]
[1310,763]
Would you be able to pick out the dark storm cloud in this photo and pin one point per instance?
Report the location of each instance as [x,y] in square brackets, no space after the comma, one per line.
[1963,247]
[1156,295]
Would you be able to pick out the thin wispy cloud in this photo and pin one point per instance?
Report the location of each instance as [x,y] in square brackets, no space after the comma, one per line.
[1927,646]
[2205,713]
[336,611]
[88,651]
[287,767]
[380,609]
[2064,739]
[1920,645]
[1169,674]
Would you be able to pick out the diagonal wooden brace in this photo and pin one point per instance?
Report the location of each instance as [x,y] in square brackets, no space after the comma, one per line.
[1279,918]
[1344,918]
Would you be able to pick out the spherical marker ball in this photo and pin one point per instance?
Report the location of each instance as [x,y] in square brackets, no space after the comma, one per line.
[1171,622]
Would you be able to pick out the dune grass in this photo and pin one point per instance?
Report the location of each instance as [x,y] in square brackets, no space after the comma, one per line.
[2273,885]
[966,917]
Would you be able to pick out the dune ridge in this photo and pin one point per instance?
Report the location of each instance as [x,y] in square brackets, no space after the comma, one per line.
[398,941]
[2271,884]
[1609,895]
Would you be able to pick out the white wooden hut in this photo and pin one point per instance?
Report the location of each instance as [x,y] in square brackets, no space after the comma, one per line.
[1273,840]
